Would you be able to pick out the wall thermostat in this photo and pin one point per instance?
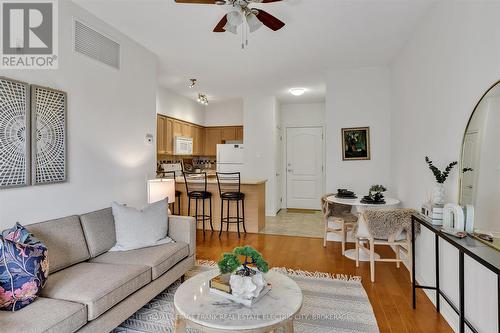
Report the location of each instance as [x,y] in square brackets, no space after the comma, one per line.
[149,139]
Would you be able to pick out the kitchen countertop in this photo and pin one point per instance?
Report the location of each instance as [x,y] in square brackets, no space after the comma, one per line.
[243,181]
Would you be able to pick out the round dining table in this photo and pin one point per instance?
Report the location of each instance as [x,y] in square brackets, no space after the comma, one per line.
[357,208]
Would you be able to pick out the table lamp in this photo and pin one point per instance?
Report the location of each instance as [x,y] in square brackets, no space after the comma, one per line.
[159,189]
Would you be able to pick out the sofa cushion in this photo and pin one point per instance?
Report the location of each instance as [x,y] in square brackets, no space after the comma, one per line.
[23,269]
[99,230]
[138,228]
[45,315]
[99,286]
[64,240]
[160,258]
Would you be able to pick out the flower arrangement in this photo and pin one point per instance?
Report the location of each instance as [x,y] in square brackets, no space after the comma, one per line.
[230,262]
[440,176]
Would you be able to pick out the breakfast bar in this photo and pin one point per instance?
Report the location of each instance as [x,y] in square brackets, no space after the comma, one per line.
[255,204]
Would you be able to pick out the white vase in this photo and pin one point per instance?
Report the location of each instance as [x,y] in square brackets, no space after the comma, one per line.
[247,287]
[438,194]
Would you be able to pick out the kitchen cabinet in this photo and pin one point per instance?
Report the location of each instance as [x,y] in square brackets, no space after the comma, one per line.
[213,136]
[205,139]
[187,130]
[239,133]
[168,136]
[161,135]
[176,128]
[228,134]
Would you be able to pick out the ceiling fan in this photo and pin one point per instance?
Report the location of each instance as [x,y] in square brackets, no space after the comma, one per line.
[241,10]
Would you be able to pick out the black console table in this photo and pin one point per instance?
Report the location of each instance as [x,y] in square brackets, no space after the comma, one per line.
[482,253]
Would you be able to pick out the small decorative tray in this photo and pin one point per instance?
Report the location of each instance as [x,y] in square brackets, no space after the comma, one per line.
[494,244]
[368,200]
[340,196]
[345,194]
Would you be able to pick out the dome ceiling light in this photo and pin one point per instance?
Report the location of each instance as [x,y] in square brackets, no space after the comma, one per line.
[297,91]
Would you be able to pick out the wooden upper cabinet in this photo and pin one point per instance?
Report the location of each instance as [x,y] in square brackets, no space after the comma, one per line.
[213,136]
[187,130]
[228,134]
[169,136]
[200,141]
[205,139]
[160,134]
[176,128]
[239,133]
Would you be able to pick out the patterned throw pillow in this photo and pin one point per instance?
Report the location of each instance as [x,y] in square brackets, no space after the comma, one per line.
[24,267]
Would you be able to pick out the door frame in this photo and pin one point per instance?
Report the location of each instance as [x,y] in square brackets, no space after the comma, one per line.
[285,159]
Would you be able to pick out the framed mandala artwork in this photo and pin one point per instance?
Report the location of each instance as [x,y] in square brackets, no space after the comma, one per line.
[14,133]
[48,135]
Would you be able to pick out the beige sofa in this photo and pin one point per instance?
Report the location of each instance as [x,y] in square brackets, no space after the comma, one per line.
[92,290]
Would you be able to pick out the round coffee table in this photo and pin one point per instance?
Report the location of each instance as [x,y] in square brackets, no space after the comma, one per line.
[196,307]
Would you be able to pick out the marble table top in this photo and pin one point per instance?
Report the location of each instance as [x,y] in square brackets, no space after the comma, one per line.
[195,303]
[357,202]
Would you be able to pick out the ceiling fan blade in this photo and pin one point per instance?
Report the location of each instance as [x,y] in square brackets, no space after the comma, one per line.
[220,26]
[205,2]
[269,20]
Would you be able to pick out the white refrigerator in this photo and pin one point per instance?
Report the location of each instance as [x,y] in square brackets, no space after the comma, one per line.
[230,158]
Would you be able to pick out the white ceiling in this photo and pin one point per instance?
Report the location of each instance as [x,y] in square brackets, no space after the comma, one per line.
[319,35]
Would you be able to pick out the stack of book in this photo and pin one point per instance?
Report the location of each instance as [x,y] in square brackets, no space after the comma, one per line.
[220,286]
[434,212]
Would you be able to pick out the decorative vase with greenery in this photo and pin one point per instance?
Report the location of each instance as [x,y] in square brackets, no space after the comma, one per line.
[246,279]
[438,195]
[376,192]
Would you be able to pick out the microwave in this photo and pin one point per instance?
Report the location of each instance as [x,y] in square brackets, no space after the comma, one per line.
[183,145]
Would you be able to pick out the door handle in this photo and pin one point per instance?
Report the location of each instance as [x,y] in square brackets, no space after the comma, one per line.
[290,170]
[469,186]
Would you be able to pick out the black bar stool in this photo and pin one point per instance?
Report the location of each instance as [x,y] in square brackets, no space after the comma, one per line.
[171,175]
[196,188]
[230,190]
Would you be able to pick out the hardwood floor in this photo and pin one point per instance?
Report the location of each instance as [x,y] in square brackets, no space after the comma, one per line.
[390,295]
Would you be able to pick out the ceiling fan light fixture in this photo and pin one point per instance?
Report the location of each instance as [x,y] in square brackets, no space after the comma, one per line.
[234,17]
[253,22]
[231,28]
[297,91]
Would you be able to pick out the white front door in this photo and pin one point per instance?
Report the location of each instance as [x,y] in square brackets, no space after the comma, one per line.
[470,160]
[304,167]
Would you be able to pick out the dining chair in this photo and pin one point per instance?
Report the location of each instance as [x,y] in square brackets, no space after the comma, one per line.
[390,227]
[338,219]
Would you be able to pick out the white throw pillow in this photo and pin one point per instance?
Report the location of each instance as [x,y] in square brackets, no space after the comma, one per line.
[136,228]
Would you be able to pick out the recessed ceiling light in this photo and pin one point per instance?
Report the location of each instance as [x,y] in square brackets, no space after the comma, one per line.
[297,91]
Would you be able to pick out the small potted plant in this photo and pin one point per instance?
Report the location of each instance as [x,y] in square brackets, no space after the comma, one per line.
[376,192]
[246,278]
[438,194]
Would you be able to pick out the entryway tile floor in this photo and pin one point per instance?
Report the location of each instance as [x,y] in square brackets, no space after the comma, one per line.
[295,223]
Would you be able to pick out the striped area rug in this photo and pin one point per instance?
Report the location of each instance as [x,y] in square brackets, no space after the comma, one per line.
[332,303]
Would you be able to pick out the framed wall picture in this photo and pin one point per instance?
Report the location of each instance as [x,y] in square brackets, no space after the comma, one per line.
[14,133]
[48,135]
[356,143]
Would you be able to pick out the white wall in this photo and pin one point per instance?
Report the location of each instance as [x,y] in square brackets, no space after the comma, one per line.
[438,78]
[224,113]
[169,103]
[297,115]
[357,98]
[303,114]
[260,119]
[109,114]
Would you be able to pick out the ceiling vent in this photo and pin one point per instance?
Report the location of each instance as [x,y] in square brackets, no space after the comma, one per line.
[96,46]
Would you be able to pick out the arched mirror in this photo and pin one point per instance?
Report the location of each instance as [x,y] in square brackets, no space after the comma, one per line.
[480,163]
